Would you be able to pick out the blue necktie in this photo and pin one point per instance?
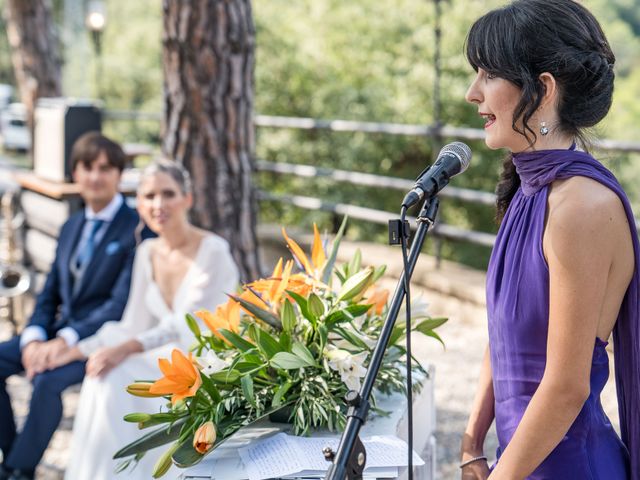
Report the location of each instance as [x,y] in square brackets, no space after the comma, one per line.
[87,250]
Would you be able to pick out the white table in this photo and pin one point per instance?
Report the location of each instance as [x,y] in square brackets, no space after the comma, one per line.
[225,464]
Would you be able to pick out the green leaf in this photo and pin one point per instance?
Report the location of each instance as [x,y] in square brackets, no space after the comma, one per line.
[303,305]
[159,419]
[289,361]
[210,388]
[430,324]
[192,323]
[431,333]
[396,334]
[316,306]
[244,367]
[351,338]
[186,456]
[331,260]
[303,352]
[247,388]
[285,342]
[323,333]
[253,357]
[378,273]
[356,261]
[225,376]
[355,284]
[288,316]
[267,344]
[277,398]
[265,315]
[347,314]
[236,340]
[157,438]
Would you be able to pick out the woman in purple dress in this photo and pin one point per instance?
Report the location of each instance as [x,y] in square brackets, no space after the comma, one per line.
[563,276]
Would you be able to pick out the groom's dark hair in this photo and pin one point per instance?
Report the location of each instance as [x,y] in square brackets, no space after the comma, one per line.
[89,146]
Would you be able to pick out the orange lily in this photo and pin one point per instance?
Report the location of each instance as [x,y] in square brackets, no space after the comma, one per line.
[226,316]
[378,298]
[181,378]
[302,284]
[318,260]
[268,292]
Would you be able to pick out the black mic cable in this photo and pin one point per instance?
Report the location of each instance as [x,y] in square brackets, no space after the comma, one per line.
[404,240]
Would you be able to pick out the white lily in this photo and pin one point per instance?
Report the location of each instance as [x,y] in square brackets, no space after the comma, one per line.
[211,363]
[419,309]
[350,367]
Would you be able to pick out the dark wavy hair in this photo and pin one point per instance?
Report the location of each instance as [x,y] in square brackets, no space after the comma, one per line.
[522,40]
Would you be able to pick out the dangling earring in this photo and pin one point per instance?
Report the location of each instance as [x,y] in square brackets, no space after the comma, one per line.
[544,130]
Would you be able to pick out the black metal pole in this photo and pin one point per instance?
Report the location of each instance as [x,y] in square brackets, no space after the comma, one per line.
[350,459]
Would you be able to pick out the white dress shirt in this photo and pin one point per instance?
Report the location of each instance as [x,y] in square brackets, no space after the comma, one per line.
[107,214]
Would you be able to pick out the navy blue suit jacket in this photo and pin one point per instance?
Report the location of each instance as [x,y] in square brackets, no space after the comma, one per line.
[104,290]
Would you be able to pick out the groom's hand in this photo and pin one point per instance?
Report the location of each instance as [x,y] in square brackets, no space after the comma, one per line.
[30,354]
[52,350]
[70,355]
[42,358]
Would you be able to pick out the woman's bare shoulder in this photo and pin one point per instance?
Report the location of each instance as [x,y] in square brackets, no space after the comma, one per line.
[580,199]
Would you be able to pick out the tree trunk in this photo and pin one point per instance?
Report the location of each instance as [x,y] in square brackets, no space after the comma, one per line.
[208,61]
[34,51]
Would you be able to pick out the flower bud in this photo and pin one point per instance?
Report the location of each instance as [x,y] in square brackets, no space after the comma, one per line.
[137,417]
[164,463]
[141,389]
[356,284]
[204,437]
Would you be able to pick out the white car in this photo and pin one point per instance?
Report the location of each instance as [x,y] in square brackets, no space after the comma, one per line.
[14,131]
[6,95]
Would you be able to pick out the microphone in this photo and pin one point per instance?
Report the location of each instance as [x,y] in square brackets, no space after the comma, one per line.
[453,159]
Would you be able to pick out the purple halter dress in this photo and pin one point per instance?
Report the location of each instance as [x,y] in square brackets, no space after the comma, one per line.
[518,311]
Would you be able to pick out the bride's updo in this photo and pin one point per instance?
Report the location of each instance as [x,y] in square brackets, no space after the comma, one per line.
[176,171]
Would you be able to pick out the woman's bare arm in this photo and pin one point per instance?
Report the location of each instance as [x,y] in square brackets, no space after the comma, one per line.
[480,420]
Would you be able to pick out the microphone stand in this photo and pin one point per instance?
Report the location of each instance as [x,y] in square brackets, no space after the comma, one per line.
[348,462]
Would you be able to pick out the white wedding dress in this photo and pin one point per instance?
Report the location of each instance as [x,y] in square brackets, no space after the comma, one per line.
[99,430]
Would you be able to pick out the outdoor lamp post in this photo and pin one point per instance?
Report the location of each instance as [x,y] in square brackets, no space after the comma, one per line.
[95,21]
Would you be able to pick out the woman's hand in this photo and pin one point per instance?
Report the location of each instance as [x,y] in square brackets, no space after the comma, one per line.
[70,355]
[105,359]
[478,470]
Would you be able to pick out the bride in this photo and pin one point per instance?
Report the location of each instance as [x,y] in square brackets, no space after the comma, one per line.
[182,270]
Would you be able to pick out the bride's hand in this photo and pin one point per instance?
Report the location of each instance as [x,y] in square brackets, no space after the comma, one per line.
[105,359]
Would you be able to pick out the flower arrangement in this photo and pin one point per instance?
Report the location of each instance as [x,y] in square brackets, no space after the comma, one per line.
[293,343]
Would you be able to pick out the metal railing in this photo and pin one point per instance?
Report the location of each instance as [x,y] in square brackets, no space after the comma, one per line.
[463,133]
[441,230]
[381,217]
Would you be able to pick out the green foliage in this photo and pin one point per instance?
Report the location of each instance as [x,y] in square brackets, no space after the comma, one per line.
[369,61]
[127,75]
[359,60]
[373,61]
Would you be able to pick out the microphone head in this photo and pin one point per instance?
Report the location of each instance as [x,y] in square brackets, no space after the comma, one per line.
[461,151]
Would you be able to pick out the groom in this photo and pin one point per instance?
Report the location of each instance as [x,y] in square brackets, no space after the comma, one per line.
[88,285]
